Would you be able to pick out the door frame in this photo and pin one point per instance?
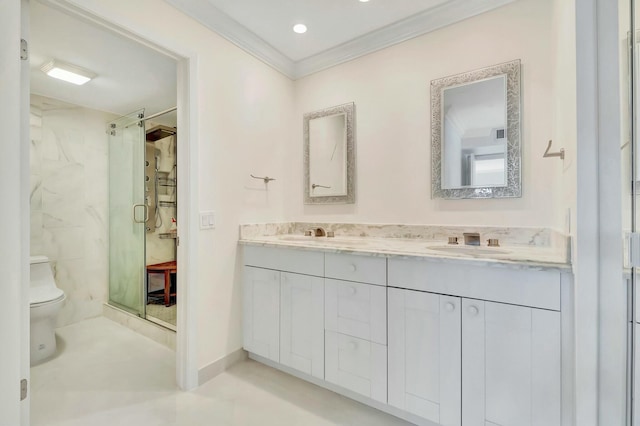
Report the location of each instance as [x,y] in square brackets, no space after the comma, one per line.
[187,175]
[14,225]
[600,296]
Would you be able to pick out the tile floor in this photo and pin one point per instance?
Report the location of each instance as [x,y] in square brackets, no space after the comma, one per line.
[107,374]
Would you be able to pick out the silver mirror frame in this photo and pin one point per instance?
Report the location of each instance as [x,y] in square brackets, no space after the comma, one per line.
[513,188]
[350,198]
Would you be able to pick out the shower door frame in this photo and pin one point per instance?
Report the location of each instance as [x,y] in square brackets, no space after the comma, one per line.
[187,106]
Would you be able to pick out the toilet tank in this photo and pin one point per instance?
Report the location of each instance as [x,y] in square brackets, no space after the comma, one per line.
[41,274]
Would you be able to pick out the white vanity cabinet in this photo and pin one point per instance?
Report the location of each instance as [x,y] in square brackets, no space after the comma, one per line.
[356,324]
[434,342]
[425,350]
[511,365]
[284,307]
[261,309]
[302,323]
[471,362]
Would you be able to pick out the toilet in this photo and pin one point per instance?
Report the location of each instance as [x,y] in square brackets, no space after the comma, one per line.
[46,300]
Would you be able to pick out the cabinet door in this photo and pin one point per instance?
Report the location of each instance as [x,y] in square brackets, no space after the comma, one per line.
[424,355]
[262,312]
[510,365]
[302,323]
[354,309]
[357,364]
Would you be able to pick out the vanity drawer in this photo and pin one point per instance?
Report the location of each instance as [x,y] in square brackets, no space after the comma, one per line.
[534,288]
[289,260]
[357,365]
[364,269]
[354,309]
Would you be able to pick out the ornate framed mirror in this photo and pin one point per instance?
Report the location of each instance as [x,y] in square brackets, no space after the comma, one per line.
[329,155]
[475,134]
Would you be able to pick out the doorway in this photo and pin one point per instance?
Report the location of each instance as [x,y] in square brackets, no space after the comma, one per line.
[143,266]
[185,174]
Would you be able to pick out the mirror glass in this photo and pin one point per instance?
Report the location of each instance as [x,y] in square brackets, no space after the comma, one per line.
[329,155]
[328,149]
[473,134]
[476,133]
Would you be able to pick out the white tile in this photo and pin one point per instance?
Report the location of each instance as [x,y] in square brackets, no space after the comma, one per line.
[153,331]
[35,197]
[109,375]
[62,177]
[36,233]
[63,243]
[63,209]
[35,152]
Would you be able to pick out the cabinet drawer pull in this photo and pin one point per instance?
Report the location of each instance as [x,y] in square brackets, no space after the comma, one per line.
[352,345]
[473,310]
[352,290]
[353,267]
[449,307]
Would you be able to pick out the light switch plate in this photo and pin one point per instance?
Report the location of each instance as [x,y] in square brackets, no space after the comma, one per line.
[207,220]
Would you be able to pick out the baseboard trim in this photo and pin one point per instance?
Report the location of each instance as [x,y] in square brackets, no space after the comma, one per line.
[345,392]
[210,371]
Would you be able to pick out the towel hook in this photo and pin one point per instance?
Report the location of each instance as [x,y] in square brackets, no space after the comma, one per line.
[266,179]
[548,154]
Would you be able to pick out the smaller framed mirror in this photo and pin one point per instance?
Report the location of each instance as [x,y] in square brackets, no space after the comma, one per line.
[329,155]
[475,134]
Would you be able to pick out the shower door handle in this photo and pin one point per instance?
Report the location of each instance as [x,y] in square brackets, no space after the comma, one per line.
[146,213]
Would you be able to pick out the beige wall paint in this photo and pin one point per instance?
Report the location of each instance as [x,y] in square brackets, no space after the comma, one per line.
[564,130]
[390,89]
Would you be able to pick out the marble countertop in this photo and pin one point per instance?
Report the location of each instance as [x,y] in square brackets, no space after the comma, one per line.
[517,256]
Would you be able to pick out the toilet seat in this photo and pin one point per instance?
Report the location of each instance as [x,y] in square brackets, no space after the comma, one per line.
[44,295]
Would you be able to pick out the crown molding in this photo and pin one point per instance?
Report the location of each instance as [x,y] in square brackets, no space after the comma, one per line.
[430,20]
[221,23]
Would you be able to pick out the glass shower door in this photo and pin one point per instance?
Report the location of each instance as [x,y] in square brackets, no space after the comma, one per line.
[127,213]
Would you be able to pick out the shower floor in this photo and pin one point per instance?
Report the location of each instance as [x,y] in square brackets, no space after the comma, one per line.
[163,313]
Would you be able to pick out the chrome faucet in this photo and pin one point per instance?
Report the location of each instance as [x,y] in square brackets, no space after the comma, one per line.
[316,232]
[471,238]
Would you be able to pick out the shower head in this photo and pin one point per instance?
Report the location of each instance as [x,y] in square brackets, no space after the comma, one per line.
[160,132]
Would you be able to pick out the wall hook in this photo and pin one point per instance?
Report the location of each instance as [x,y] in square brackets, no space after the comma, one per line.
[266,179]
[548,154]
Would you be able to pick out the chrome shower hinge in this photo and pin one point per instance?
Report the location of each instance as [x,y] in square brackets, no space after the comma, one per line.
[633,250]
[23,389]
[24,49]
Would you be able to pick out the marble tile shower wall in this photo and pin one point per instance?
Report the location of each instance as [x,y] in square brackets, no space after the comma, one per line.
[69,202]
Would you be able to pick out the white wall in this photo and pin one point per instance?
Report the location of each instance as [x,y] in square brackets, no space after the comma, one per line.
[390,89]
[69,202]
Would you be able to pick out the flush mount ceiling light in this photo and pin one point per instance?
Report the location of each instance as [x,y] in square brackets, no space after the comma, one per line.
[300,28]
[67,72]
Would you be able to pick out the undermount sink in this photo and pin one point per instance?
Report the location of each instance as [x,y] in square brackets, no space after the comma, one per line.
[321,240]
[295,238]
[469,250]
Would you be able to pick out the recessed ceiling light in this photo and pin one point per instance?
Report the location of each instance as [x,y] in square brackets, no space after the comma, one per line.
[363,1]
[300,28]
[67,72]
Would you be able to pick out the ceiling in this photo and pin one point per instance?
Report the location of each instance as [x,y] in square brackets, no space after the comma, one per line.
[130,76]
[133,76]
[338,30]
